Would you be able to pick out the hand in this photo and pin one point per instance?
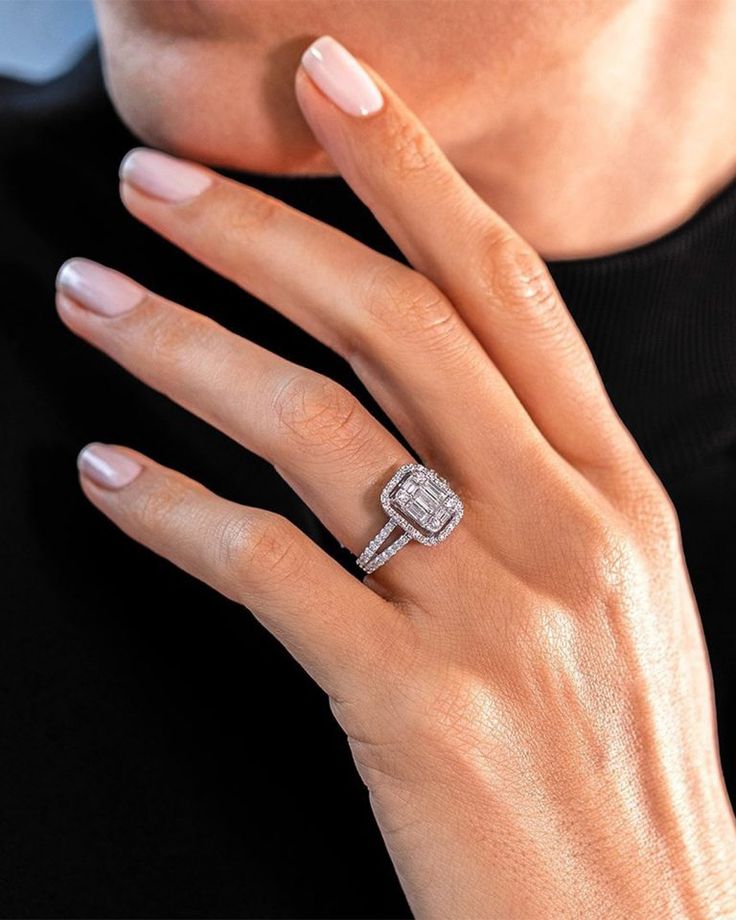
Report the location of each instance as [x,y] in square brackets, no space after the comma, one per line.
[529,702]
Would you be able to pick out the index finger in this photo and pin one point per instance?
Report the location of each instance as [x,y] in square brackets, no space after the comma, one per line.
[497,282]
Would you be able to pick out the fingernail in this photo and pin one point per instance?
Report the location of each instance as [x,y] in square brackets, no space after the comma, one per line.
[162,176]
[107,467]
[100,289]
[340,76]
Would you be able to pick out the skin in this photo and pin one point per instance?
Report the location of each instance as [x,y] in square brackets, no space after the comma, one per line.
[589,125]
[533,717]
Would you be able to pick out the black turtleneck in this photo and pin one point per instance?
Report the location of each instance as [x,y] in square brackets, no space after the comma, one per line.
[162,756]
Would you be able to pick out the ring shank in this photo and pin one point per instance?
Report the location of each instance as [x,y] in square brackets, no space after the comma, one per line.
[373,556]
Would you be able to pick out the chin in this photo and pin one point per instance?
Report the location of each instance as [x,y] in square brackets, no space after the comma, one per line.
[212,106]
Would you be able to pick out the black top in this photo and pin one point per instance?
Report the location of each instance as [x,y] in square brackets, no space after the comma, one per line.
[162,755]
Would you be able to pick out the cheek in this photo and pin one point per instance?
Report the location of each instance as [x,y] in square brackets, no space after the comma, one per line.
[224,103]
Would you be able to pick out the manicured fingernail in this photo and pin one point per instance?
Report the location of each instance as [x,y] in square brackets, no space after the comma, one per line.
[107,467]
[100,289]
[162,176]
[340,76]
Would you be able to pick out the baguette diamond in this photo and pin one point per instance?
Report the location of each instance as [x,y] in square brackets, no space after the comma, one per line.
[419,502]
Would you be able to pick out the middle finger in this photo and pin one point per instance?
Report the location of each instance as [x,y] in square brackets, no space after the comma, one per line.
[329,448]
[399,332]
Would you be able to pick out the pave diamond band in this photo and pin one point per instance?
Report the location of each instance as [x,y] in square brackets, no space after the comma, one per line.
[370,559]
[421,504]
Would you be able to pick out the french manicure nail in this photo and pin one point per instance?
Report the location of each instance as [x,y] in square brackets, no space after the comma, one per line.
[100,289]
[107,467]
[340,76]
[162,176]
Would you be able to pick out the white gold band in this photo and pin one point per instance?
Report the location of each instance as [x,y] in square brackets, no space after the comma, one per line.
[370,559]
[421,504]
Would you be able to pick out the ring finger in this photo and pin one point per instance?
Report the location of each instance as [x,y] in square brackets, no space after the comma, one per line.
[326,445]
[401,334]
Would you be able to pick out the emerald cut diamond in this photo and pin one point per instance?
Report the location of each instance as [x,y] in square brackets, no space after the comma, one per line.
[422,503]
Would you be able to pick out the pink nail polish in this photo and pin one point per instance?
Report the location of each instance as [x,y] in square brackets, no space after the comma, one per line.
[340,76]
[162,176]
[98,288]
[107,467]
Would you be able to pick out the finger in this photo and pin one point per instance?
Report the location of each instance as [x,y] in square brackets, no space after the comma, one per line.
[327,446]
[399,332]
[335,626]
[500,286]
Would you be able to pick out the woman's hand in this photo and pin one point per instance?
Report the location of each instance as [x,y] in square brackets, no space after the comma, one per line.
[529,703]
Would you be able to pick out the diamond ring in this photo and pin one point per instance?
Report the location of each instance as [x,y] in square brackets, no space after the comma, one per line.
[419,502]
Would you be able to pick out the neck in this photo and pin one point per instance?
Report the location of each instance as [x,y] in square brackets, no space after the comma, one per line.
[622,143]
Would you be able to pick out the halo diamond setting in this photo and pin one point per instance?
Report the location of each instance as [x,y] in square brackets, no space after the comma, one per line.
[422,504]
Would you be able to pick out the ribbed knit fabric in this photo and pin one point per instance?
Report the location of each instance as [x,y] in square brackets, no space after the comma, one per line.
[660,321]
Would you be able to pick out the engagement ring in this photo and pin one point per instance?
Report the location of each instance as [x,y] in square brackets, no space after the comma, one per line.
[419,502]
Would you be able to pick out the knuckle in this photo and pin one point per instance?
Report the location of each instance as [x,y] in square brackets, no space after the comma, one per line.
[314,411]
[635,491]
[610,556]
[517,280]
[547,634]
[456,716]
[258,548]
[650,510]
[408,149]
[659,511]
[172,336]
[401,302]
[304,404]
[251,214]
[158,505]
